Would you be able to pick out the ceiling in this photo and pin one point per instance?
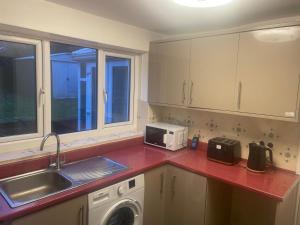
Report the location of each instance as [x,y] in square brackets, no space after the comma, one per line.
[166,17]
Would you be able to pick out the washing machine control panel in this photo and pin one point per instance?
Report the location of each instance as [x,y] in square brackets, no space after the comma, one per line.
[121,190]
[131,183]
[126,186]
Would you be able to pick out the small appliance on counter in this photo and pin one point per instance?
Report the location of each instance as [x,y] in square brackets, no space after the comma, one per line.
[224,150]
[195,142]
[257,159]
[168,136]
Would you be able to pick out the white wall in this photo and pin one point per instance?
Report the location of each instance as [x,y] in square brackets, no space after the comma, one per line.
[43,16]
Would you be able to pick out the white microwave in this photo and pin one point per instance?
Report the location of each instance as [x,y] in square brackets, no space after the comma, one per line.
[168,136]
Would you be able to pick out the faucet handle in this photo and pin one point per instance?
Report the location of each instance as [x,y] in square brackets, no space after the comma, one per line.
[63,160]
[52,161]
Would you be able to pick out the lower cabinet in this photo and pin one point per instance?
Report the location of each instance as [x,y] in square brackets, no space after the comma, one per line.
[186,197]
[155,198]
[174,196]
[228,205]
[72,212]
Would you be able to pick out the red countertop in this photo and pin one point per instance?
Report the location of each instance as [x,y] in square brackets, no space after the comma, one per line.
[275,183]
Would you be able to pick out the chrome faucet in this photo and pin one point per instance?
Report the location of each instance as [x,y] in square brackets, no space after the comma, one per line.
[58,162]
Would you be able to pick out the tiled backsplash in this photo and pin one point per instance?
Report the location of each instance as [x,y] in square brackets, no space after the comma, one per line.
[284,136]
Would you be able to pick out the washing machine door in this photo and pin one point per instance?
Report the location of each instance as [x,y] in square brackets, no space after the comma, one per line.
[124,212]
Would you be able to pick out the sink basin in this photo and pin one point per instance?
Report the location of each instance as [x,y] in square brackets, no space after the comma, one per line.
[29,187]
[26,188]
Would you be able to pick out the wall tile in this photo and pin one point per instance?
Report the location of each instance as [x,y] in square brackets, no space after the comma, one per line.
[284,136]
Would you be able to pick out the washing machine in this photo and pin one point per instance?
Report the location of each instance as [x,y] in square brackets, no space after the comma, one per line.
[118,204]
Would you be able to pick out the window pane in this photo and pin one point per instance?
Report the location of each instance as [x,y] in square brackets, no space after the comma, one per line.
[18,109]
[117,82]
[74,88]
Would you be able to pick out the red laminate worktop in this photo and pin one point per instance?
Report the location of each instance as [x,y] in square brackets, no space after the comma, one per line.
[275,183]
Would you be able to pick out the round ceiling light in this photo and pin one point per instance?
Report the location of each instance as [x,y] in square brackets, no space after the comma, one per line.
[202,3]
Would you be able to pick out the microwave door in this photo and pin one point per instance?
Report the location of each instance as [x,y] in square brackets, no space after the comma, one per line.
[155,136]
[181,139]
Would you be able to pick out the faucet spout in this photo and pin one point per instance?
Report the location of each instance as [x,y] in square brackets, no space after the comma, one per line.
[58,163]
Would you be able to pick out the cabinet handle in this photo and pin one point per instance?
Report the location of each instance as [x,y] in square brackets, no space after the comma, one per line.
[191,91]
[81,215]
[183,92]
[173,186]
[162,177]
[239,96]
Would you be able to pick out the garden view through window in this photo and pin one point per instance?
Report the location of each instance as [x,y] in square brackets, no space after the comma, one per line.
[117,87]
[74,88]
[18,106]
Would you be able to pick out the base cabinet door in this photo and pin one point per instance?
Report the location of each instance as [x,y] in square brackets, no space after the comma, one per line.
[154,201]
[186,197]
[72,212]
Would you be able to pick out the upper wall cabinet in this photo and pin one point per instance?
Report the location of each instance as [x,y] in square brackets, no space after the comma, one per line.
[168,72]
[268,72]
[213,72]
[250,73]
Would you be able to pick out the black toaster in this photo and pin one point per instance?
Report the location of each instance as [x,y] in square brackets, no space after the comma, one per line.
[224,150]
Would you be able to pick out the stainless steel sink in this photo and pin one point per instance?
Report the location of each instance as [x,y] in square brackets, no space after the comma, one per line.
[29,187]
[26,188]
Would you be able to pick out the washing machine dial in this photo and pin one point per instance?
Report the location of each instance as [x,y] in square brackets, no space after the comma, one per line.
[121,190]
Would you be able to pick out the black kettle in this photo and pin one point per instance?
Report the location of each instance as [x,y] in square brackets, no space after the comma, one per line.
[257,159]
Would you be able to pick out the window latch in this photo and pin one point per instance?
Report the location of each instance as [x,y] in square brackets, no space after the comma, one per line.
[42,96]
[105,95]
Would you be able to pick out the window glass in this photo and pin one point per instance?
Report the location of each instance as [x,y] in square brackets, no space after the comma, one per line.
[18,107]
[74,88]
[117,88]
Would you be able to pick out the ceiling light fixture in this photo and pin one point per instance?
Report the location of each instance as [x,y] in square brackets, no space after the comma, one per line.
[202,3]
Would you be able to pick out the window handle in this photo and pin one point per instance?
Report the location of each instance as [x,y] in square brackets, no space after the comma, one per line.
[42,97]
[105,95]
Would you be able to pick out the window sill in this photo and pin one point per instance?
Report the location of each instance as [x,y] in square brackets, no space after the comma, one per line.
[29,153]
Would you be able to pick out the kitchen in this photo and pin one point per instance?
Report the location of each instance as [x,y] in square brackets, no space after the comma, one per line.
[147,112]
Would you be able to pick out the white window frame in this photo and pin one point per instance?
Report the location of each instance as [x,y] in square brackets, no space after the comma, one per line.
[39,88]
[48,119]
[43,76]
[127,124]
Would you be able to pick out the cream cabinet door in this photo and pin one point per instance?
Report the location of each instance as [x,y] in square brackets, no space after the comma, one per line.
[154,202]
[72,212]
[268,71]
[168,72]
[186,197]
[213,72]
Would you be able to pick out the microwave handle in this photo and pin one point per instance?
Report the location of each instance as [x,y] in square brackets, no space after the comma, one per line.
[181,138]
[165,138]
